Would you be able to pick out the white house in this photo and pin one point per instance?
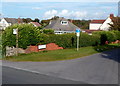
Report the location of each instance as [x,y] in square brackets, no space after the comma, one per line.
[5,22]
[101,24]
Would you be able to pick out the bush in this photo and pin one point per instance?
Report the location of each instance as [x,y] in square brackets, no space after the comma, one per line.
[48,31]
[27,35]
[109,36]
[69,40]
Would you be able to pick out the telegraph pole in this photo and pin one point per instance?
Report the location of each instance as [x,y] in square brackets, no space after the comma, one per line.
[17,38]
[17,42]
[78,35]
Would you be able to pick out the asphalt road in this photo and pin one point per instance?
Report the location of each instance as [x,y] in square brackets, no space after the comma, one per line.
[101,68]
[15,76]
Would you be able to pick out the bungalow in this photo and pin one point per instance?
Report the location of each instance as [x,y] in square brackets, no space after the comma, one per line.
[5,22]
[101,24]
[61,25]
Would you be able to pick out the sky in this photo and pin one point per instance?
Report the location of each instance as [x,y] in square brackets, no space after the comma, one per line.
[71,9]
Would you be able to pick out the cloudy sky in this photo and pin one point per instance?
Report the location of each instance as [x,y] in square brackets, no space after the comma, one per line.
[73,9]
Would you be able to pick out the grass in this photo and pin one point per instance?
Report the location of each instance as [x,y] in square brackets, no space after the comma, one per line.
[61,54]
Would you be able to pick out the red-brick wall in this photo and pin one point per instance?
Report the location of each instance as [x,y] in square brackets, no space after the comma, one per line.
[50,46]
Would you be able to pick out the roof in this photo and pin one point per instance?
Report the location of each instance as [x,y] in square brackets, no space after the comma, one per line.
[57,26]
[13,20]
[36,24]
[97,21]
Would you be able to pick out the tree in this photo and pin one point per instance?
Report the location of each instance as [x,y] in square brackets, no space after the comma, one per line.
[27,20]
[83,24]
[36,20]
[116,23]
[27,35]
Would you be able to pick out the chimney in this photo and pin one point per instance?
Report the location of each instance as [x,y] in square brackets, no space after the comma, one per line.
[111,16]
[71,20]
[19,20]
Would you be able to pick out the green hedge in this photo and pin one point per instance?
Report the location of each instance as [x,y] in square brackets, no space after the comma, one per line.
[29,35]
[69,40]
[109,36]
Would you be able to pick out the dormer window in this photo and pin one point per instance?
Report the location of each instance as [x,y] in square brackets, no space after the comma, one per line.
[64,22]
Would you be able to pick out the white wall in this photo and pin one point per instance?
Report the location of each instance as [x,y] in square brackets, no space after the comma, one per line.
[94,26]
[105,26]
[4,24]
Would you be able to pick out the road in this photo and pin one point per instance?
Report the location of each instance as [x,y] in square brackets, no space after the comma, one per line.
[15,76]
[101,68]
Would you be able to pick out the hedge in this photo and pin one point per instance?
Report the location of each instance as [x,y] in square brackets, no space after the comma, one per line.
[109,36]
[29,35]
[69,40]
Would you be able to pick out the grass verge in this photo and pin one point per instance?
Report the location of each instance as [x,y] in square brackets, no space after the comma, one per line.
[65,54]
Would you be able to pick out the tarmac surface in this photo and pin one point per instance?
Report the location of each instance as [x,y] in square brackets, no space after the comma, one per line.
[100,68]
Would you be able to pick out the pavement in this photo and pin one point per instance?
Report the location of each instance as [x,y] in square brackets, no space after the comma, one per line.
[100,68]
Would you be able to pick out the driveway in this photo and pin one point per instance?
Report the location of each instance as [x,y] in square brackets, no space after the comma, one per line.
[101,68]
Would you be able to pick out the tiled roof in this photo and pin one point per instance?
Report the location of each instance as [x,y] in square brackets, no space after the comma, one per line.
[98,21]
[57,26]
[13,20]
[36,24]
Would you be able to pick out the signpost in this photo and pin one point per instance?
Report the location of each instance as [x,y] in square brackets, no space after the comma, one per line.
[78,35]
[15,31]
[41,46]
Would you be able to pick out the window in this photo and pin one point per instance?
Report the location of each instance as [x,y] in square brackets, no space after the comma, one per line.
[64,22]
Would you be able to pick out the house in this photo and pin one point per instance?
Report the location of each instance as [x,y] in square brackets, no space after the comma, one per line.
[61,25]
[36,24]
[101,24]
[5,22]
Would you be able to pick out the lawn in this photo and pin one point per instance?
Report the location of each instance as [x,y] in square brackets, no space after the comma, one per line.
[64,54]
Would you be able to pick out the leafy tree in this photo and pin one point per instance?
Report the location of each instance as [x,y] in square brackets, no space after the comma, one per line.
[45,22]
[36,20]
[27,35]
[116,23]
[27,20]
[83,24]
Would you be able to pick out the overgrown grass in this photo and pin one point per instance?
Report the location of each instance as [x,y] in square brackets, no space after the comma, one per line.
[61,54]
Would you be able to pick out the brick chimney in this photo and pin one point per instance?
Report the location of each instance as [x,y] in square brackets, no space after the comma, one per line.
[71,21]
[111,16]
[19,20]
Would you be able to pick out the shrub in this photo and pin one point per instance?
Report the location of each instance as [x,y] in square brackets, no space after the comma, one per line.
[27,35]
[109,36]
[48,31]
[69,40]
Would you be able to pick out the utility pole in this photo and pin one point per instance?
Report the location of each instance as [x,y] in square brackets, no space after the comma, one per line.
[77,43]
[17,42]
[78,35]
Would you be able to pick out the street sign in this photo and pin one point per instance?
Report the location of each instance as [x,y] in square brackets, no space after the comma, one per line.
[41,46]
[14,31]
[78,32]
